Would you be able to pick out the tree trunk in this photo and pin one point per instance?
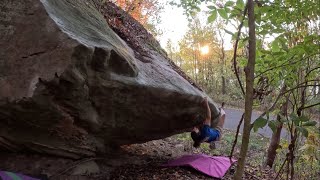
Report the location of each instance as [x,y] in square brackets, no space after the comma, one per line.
[274,144]
[275,139]
[195,66]
[249,93]
[316,89]
[223,85]
[223,56]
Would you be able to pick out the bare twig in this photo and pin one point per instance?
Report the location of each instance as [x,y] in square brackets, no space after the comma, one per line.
[311,71]
[236,48]
[236,138]
[310,106]
[284,162]
[288,169]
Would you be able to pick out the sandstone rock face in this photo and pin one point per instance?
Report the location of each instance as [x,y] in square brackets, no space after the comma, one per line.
[70,86]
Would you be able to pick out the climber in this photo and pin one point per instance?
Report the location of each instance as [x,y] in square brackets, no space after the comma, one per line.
[205,133]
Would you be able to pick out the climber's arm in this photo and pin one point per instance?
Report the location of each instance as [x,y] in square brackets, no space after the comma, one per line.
[207,121]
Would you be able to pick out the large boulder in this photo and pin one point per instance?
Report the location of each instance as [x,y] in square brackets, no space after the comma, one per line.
[70,86]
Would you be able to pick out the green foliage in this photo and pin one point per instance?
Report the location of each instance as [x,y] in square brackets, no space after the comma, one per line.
[240,4]
[287,55]
[310,123]
[273,125]
[303,131]
[223,13]
[307,158]
[191,6]
[301,122]
[229,3]
[259,123]
[213,16]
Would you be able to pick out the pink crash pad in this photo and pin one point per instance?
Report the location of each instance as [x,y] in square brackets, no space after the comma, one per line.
[215,166]
[5,175]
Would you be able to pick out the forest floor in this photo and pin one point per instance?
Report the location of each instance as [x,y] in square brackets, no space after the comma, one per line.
[140,161]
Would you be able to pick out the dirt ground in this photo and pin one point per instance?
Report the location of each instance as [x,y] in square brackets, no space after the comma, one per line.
[137,161]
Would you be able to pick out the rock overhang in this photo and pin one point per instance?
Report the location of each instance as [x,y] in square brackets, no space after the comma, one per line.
[89,89]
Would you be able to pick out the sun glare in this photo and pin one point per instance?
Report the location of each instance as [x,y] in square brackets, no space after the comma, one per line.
[204,50]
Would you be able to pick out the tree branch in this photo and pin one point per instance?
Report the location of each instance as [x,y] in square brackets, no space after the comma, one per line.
[288,64]
[312,70]
[284,162]
[282,65]
[300,86]
[236,48]
[310,106]
[283,93]
[274,104]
